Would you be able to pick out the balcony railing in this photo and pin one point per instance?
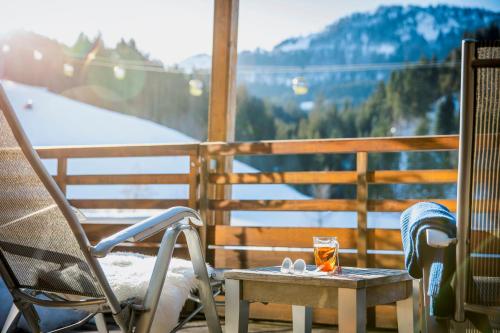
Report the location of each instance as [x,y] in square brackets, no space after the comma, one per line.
[232,246]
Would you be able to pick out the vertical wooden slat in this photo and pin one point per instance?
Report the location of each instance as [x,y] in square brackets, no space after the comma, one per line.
[222,108]
[194,169]
[362,207]
[362,212]
[204,187]
[62,171]
[207,232]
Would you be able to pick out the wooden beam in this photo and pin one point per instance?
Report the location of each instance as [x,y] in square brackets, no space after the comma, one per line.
[284,205]
[129,179]
[126,150]
[386,205]
[337,177]
[329,146]
[222,111]
[127,203]
[222,107]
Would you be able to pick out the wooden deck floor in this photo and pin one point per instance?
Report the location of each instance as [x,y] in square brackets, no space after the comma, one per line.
[265,327]
[199,326]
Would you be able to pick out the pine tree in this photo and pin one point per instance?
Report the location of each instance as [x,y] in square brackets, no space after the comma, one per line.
[446,122]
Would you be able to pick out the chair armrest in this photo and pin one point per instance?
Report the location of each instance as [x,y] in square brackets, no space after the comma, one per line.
[438,239]
[146,229]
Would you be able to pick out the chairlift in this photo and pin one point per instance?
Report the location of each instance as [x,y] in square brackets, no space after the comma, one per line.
[299,85]
[196,87]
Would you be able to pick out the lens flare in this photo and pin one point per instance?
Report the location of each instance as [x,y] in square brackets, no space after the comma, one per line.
[68,70]
[5,48]
[37,55]
[119,72]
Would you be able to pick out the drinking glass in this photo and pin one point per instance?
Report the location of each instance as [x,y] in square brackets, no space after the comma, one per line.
[326,253]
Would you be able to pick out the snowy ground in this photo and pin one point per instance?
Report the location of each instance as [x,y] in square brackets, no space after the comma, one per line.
[55,120]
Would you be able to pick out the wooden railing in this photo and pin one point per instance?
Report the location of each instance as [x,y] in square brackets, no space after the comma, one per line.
[232,246]
[95,232]
[363,240]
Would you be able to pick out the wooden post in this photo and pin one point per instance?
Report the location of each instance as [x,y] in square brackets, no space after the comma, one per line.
[222,109]
[362,207]
[194,168]
[207,233]
[362,212]
[62,171]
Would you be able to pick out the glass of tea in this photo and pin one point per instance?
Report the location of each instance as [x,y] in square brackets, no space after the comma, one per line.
[326,254]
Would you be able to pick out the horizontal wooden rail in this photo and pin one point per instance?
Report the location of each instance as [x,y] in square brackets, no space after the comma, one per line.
[379,239]
[329,146]
[285,205]
[387,205]
[255,258]
[127,203]
[412,176]
[337,177]
[130,179]
[141,150]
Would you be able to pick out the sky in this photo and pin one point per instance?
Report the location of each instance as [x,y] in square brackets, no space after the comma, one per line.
[173,30]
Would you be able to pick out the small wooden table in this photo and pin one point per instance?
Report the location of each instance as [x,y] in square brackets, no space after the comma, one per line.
[351,292]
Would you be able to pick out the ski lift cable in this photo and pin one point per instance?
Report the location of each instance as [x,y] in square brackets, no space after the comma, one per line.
[262,69]
[243,69]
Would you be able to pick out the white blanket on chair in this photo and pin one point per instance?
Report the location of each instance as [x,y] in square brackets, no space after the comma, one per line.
[129,275]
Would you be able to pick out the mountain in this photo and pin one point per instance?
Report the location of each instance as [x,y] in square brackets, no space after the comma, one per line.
[390,34]
[198,62]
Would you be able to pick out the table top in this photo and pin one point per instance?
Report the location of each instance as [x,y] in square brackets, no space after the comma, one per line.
[350,277]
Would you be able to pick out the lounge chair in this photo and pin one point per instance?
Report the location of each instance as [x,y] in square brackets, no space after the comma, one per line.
[478,211]
[46,258]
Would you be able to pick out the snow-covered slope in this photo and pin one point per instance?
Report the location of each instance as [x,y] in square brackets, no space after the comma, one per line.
[54,120]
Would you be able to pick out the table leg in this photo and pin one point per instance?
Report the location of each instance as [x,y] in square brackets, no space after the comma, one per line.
[407,311]
[352,310]
[301,319]
[236,308]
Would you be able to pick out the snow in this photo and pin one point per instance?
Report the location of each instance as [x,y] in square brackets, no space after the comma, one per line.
[450,25]
[426,26]
[307,105]
[55,120]
[385,49]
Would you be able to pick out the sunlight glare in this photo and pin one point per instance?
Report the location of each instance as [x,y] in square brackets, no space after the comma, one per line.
[119,72]
[68,70]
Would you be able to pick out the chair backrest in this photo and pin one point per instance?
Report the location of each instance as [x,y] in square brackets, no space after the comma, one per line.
[42,245]
[478,214]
